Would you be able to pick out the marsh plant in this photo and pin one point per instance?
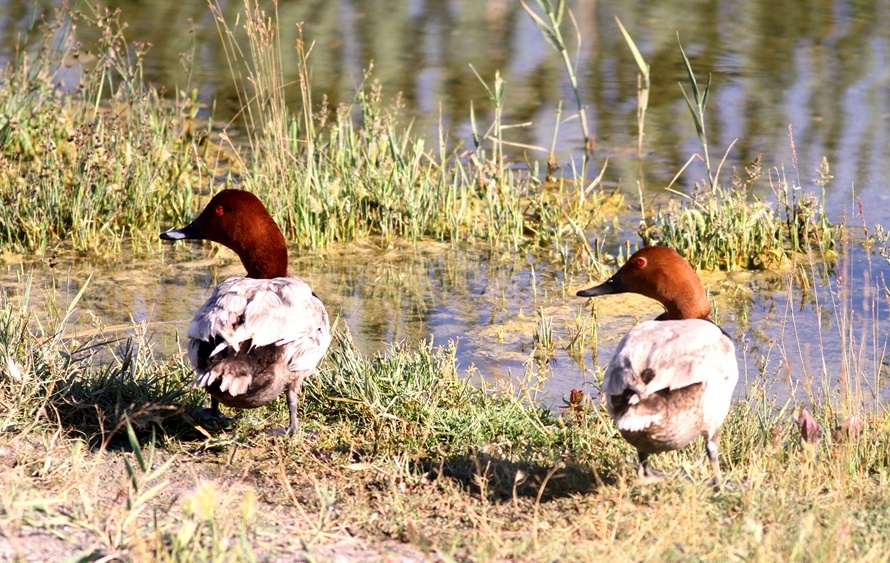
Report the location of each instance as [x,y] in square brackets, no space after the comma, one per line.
[730,226]
[120,160]
[544,345]
[354,171]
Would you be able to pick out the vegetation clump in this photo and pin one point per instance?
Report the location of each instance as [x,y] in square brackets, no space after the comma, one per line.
[119,161]
[98,162]
[729,228]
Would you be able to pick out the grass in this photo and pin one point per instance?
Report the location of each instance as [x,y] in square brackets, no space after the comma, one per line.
[103,458]
[98,164]
[347,173]
[120,162]
[729,228]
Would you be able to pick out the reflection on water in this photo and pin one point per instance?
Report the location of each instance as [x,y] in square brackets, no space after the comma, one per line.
[492,305]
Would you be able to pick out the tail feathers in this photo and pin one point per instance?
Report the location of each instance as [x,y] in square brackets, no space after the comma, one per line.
[232,380]
[634,413]
[204,379]
[636,422]
[235,384]
[222,346]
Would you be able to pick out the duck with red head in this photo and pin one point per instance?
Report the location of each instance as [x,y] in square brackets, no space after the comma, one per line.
[671,379]
[659,273]
[258,336]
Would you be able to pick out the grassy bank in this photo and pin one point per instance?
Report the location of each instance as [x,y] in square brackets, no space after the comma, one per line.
[96,159]
[102,455]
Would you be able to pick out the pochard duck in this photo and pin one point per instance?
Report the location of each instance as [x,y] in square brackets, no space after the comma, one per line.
[671,379]
[260,335]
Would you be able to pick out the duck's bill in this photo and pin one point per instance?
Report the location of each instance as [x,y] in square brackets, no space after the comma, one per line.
[190,231]
[610,286]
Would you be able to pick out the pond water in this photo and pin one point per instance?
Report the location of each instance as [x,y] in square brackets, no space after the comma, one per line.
[820,68]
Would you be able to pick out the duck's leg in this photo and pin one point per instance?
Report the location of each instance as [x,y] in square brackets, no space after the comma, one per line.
[212,417]
[293,393]
[213,412]
[646,473]
[711,448]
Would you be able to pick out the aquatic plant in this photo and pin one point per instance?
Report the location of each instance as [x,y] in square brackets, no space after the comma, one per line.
[551,30]
[730,227]
[108,161]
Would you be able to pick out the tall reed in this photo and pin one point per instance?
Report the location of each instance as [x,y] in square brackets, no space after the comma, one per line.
[92,164]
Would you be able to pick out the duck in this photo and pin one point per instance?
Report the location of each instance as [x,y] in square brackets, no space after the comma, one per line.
[258,336]
[670,379]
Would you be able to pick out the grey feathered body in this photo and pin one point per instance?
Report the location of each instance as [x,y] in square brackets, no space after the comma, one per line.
[670,382]
[255,338]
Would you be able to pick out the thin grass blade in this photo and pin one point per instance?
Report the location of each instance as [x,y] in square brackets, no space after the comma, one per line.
[544,27]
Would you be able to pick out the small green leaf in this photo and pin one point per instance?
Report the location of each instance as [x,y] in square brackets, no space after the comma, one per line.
[690,74]
[641,63]
[544,28]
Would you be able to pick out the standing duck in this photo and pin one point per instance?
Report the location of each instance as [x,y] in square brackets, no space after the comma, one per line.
[260,335]
[670,379]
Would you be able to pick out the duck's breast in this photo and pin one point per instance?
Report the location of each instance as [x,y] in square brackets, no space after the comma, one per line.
[246,314]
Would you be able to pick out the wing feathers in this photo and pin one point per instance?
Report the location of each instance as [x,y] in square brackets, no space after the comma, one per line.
[678,353]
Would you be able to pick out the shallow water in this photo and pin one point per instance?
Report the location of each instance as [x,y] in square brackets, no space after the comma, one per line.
[820,67]
[490,304]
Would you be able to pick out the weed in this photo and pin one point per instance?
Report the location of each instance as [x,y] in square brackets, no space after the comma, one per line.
[543,336]
[550,30]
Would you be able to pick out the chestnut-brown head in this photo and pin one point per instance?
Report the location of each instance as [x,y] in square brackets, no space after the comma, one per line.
[239,220]
[660,273]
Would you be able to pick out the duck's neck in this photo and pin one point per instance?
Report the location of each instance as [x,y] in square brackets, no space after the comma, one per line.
[687,301]
[261,270]
[682,293]
[265,259]
[674,311]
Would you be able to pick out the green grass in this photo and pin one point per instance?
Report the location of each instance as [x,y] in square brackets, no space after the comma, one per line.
[98,165]
[119,162]
[355,171]
[730,228]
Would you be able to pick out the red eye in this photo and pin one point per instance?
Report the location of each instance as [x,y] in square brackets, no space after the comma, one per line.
[219,210]
[639,262]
